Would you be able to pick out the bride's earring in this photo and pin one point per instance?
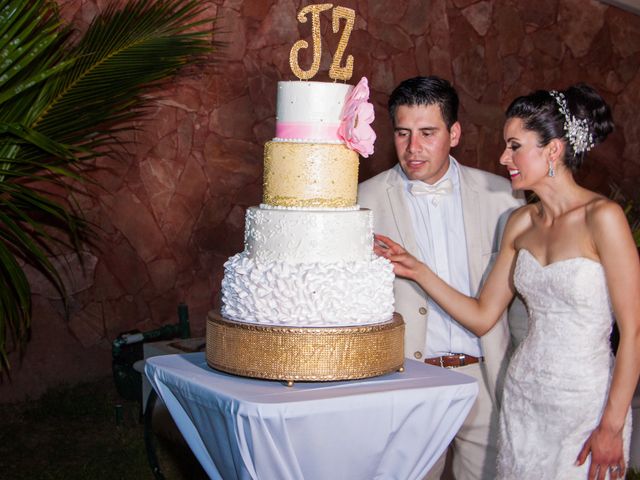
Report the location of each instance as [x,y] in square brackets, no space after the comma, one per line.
[552,172]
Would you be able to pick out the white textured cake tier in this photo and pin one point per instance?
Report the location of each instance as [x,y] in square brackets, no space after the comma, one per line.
[310,111]
[295,236]
[311,294]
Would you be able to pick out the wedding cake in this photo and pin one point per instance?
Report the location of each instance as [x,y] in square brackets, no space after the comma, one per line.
[308,258]
[308,299]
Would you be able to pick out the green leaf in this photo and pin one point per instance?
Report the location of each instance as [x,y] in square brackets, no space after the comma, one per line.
[62,104]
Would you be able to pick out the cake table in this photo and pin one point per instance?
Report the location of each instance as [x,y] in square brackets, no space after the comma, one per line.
[392,426]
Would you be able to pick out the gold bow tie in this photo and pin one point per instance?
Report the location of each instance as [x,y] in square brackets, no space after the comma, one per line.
[445,187]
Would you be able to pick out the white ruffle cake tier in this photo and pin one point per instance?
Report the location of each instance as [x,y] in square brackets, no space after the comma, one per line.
[307,294]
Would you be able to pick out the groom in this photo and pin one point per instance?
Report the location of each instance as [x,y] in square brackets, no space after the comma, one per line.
[450,217]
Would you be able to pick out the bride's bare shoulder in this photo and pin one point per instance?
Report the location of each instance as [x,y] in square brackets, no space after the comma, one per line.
[523,216]
[520,220]
[605,216]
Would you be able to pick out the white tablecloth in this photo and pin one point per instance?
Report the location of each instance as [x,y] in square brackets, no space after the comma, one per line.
[390,427]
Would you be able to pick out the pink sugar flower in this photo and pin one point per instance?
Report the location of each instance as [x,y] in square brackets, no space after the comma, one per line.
[357,115]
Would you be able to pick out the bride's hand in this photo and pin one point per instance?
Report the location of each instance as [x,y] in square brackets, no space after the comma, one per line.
[605,446]
[404,264]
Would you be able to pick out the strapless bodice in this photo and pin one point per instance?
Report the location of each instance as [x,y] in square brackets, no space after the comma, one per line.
[570,316]
[574,283]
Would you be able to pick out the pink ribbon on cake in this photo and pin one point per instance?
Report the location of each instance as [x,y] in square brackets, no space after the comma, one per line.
[311,131]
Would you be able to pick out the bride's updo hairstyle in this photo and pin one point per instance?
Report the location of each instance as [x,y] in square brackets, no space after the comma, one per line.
[579,116]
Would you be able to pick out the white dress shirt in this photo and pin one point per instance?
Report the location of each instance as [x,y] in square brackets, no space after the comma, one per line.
[439,230]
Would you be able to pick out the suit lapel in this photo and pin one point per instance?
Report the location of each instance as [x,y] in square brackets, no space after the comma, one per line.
[471,214]
[400,211]
[402,218]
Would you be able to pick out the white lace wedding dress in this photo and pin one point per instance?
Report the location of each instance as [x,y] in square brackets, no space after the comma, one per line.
[558,378]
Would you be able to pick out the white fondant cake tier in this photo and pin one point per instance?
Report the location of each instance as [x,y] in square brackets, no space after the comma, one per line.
[307,294]
[294,236]
[310,111]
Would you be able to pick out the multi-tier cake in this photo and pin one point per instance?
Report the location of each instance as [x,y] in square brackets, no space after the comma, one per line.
[308,299]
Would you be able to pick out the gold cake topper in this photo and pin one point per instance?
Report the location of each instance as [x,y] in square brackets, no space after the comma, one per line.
[336,71]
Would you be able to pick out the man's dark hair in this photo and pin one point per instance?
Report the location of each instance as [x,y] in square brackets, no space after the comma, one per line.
[426,91]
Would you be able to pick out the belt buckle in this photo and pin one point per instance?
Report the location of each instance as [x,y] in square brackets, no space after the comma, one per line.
[461,359]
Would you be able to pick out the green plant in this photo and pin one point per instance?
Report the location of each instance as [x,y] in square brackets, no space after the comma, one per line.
[64,102]
[632,474]
[633,215]
[631,210]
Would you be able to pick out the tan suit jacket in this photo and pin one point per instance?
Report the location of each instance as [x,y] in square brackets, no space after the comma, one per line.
[487,201]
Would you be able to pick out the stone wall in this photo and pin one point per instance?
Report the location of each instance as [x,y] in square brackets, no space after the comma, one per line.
[171,209]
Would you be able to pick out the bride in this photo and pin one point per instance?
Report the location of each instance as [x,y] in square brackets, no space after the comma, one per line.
[571,256]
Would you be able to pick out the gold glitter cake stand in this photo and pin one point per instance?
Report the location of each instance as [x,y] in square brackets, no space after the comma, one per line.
[304,353]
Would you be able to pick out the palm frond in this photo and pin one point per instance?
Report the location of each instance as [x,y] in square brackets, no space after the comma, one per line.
[142,44]
[62,104]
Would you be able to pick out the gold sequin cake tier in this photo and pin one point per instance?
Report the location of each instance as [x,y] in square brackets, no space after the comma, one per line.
[308,175]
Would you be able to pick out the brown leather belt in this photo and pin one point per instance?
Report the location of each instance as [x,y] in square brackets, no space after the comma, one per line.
[453,360]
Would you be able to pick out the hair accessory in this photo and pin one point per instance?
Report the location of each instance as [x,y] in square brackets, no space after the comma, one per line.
[552,171]
[577,129]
